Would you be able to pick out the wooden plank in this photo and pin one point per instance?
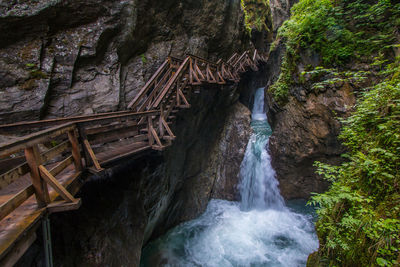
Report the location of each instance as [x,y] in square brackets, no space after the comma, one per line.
[55,184]
[76,151]
[92,155]
[13,174]
[19,249]
[109,127]
[109,119]
[61,166]
[55,151]
[114,135]
[14,202]
[33,159]
[61,206]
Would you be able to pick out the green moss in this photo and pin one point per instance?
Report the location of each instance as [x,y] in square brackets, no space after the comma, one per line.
[257,12]
[280,89]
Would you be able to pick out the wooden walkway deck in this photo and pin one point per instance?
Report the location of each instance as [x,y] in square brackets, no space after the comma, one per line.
[40,168]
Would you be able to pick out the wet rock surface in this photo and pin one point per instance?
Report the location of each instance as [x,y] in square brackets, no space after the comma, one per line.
[60,58]
[305,132]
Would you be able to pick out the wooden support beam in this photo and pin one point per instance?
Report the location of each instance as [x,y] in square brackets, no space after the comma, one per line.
[52,181]
[154,133]
[149,133]
[165,124]
[221,79]
[61,206]
[41,192]
[191,71]
[196,77]
[202,77]
[211,76]
[92,156]
[76,151]
[160,126]
[183,98]
[82,137]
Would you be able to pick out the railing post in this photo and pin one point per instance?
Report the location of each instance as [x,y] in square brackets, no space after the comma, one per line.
[149,128]
[32,156]
[82,138]
[76,152]
[160,125]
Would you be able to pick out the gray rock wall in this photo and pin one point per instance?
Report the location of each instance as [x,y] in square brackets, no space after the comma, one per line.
[60,58]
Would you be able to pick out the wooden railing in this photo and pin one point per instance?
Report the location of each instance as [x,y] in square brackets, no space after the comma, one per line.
[55,152]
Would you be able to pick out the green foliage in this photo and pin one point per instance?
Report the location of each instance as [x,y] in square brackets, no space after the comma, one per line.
[339,31]
[280,89]
[256,13]
[359,218]
[322,78]
[143,58]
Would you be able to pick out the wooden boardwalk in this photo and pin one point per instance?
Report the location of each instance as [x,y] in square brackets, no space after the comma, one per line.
[40,168]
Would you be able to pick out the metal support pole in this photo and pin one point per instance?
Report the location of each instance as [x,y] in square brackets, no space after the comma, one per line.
[48,253]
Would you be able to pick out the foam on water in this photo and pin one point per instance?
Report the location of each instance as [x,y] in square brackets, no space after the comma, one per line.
[257,231]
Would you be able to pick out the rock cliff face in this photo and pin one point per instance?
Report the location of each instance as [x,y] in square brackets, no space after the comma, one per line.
[60,58]
[137,200]
[306,131]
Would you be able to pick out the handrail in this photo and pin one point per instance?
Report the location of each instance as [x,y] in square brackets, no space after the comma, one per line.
[25,125]
[31,139]
[203,60]
[143,91]
[174,78]
[26,141]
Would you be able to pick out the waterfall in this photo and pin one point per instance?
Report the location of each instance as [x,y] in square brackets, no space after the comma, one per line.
[258,187]
[260,230]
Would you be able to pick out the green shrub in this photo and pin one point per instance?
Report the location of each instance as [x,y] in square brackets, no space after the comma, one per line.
[359,218]
[339,31]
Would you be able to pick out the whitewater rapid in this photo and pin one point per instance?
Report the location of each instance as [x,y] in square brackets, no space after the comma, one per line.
[260,230]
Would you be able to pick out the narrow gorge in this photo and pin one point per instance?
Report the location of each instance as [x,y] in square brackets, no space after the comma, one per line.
[199,133]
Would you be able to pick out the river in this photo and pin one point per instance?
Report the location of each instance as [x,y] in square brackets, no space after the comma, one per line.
[260,230]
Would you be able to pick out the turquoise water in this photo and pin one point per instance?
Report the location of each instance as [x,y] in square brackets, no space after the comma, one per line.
[260,230]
